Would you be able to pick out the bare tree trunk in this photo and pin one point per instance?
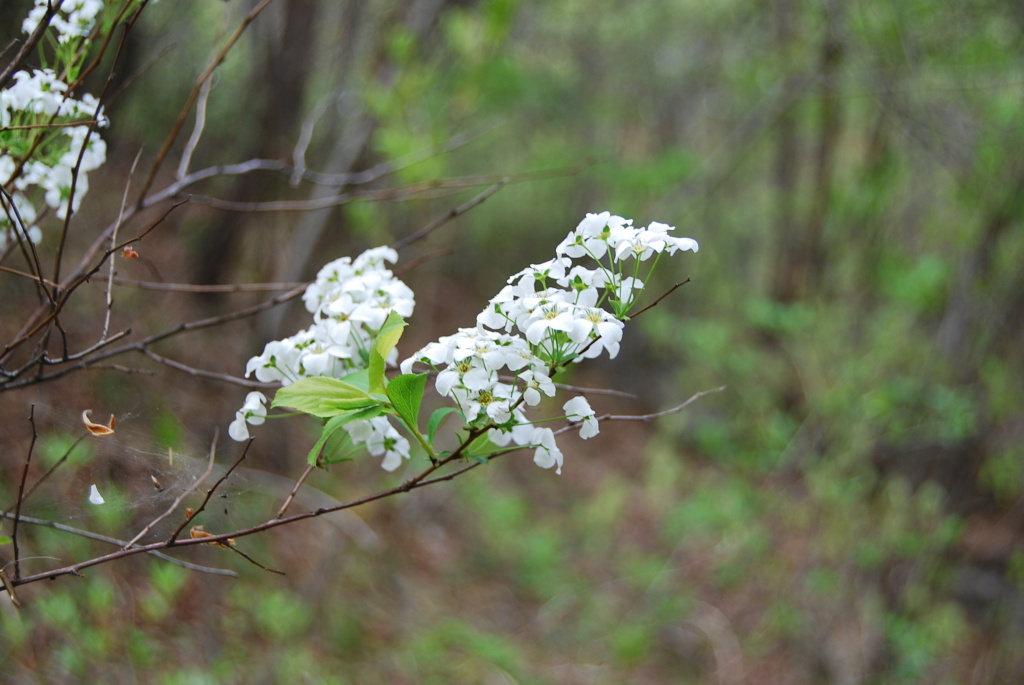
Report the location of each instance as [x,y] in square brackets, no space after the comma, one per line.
[812,259]
[787,158]
[279,80]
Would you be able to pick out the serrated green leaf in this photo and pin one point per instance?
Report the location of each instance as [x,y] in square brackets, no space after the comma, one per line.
[387,339]
[435,421]
[406,394]
[335,424]
[323,397]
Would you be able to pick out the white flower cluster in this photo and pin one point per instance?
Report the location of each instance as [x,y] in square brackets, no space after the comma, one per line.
[548,315]
[469,364]
[74,18]
[35,100]
[350,301]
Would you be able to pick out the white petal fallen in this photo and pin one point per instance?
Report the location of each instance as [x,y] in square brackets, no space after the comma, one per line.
[94,495]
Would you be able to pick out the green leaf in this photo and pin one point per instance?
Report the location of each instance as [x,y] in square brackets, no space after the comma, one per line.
[480,448]
[360,379]
[4,540]
[406,394]
[323,397]
[335,424]
[386,341]
[435,421]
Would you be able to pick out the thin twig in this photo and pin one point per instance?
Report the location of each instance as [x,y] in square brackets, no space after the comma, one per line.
[212,375]
[305,136]
[253,561]
[25,274]
[21,491]
[9,586]
[113,241]
[196,288]
[647,417]
[663,296]
[177,500]
[47,360]
[373,195]
[50,471]
[413,264]
[54,124]
[451,214]
[25,244]
[291,495]
[197,129]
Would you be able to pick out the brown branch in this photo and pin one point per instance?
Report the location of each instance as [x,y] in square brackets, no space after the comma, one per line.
[422,480]
[409,485]
[119,543]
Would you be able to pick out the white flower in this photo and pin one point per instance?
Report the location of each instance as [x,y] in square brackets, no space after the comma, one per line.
[279,361]
[380,437]
[553,316]
[493,401]
[553,269]
[76,18]
[252,412]
[578,409]
[597,324]
[537,381]
[547,454]
[94,495]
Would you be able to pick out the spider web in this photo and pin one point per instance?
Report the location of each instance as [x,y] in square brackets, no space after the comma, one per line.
[139,479]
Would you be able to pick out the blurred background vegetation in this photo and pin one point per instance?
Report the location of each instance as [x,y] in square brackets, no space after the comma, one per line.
[850,510]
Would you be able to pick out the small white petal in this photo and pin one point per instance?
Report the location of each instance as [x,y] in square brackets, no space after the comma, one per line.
[238,430]
[94,495]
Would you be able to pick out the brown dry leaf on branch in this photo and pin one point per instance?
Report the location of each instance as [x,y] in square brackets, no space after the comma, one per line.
[98,429]
[197,533]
